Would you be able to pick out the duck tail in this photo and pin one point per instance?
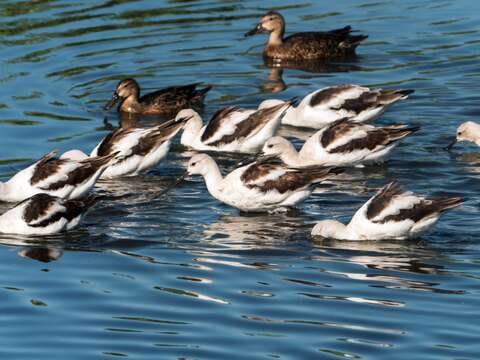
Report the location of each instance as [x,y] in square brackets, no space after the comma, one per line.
[199,94]
[352,41]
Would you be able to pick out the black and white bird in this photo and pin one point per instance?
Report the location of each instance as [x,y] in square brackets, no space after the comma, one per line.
[342,143]
[324,106]
[233,129]
[137,149]
[61,177]
[44,214]
[259,186]
[390,214]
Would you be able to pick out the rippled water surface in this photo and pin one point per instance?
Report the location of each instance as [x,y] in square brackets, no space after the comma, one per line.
[184,277]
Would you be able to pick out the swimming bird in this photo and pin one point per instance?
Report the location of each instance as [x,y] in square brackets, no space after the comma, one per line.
[137,149]
[44,214]
[324,106]
[390,214]
[344,142]
[232,129]
[164,102]
[304,46]
[468,131]
[259,186]
[62,177]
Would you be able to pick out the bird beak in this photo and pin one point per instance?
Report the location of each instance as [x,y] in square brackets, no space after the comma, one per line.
[450,146]
[172,185]
[256,30]
[112,101]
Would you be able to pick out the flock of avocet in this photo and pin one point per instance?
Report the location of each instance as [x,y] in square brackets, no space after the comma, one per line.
[53,193]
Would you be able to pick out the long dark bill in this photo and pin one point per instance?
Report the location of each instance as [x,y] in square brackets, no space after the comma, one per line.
[171,186]
[450,146]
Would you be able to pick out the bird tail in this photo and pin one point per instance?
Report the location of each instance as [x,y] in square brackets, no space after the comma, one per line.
[352,41]
[391,96]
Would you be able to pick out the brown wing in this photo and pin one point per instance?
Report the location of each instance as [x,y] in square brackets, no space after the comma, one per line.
[175,96]
[328,94]
[382,199]
[40,205]
[47,166]
[250,126]
[106,146]
[216,122]
[376,137]
[335,130]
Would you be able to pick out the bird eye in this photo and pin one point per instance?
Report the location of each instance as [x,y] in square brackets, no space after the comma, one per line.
[193,164]
[270,146]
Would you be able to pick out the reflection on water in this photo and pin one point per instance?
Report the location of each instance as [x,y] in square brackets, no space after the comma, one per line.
[184,276]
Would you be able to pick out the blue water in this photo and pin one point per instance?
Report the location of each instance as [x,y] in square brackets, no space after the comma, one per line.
[185,277]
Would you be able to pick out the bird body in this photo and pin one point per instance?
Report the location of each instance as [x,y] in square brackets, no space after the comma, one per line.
[390,214]
[259,186]
[61,177]
[232,129]
[324,106]
[43,214]
[342,143]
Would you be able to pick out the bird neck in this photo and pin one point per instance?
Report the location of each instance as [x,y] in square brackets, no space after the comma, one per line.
[4,192]
[290,155]
[191,131]
[213,178]
[131,104]
[276,37]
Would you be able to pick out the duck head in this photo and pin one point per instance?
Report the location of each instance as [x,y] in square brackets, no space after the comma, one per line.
[125,89]
[271,22]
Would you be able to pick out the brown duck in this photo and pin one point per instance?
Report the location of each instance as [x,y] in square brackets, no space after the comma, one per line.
[163,102]
[305,46]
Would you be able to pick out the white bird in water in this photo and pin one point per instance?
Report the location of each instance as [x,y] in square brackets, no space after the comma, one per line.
[62,177]
[43,214]
[344,142]
[390,214]
[332,103]
[468,131]
[138,149]
[259,186]
[232,129]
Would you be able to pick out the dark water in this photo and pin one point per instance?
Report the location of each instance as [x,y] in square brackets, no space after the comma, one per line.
[184,277]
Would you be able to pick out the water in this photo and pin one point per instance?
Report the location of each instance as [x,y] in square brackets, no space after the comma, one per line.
[186,277]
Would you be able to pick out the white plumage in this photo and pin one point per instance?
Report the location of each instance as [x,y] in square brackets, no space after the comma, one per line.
[65,177]
[259,186]
[390,214]
[329,104]
[43,214]
[232,129]
[137,149]
[343,142]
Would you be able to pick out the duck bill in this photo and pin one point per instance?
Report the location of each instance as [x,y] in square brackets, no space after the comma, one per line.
[256,30]
[452,143]
[112,102]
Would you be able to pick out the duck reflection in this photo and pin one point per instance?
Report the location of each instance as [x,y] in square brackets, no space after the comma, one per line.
[390,260]
[275,82]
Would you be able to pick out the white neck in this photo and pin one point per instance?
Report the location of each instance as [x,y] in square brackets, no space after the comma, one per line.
[213,179]
[336,230]
[290,155]
[290,116]
[191,131]
[4,192]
